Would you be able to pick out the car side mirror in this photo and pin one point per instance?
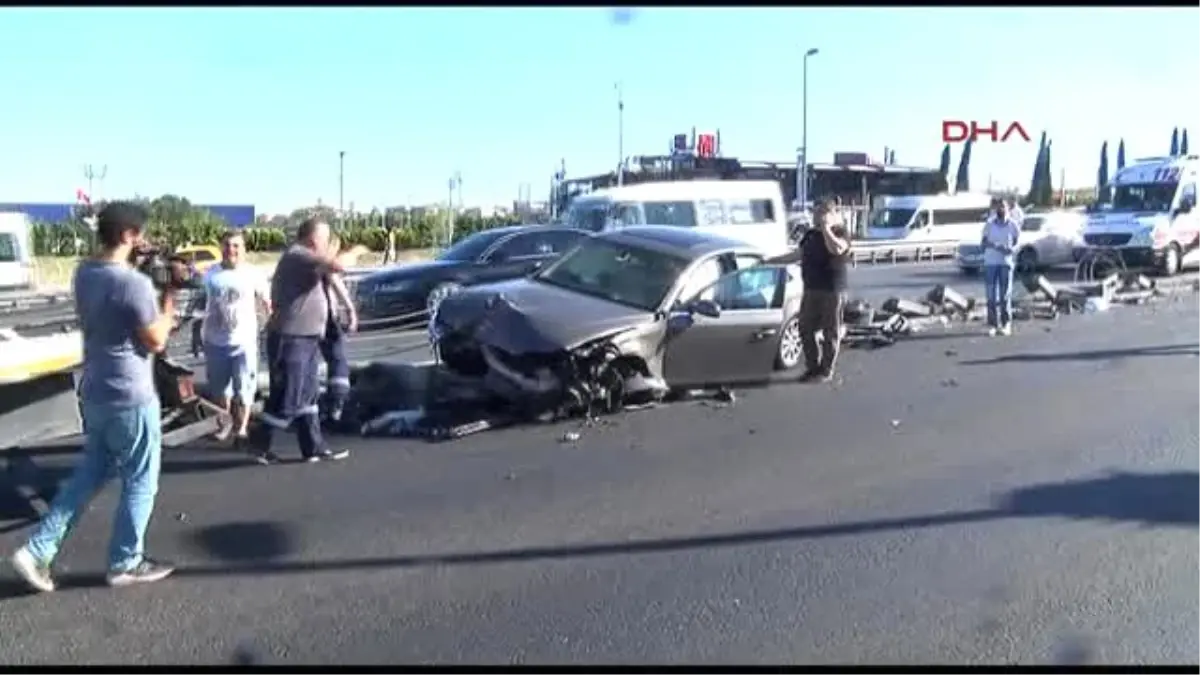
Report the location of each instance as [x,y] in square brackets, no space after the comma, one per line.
[496,257]
[705,308]
[1184,207]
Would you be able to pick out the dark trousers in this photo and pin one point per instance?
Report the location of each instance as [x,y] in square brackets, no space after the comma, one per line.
[337,368]
[821,313]
[293,362]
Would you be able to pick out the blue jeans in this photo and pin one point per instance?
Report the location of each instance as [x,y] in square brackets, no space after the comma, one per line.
[119,442]
[997,286]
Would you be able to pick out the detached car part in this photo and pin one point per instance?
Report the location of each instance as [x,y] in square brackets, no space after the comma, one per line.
[907,308]
[950,301]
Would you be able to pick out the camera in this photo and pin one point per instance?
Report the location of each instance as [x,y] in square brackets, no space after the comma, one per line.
[168,272]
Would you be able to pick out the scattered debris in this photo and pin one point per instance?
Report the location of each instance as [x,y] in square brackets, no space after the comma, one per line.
[724,395]
[951,382]
[570,437]
[895,424]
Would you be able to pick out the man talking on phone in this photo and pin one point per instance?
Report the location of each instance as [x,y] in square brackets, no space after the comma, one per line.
[822,253]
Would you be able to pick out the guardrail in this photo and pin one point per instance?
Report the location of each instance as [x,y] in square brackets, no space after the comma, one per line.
[901,250]
[31,301]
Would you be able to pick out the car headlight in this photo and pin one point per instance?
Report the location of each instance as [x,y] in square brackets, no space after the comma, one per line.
[1144,237]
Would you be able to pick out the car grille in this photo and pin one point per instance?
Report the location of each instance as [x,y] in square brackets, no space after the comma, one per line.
[1107,239]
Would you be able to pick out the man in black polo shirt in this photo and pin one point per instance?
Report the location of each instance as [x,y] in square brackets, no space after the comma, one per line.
[822,253]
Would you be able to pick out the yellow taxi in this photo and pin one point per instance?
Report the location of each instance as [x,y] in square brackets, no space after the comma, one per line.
[199,257]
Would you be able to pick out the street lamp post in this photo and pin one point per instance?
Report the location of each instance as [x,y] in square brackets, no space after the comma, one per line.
[341,183]
[802,168]
[620,134]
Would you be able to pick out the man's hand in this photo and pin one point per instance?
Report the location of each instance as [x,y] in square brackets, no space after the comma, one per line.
[352,323]
[350,258]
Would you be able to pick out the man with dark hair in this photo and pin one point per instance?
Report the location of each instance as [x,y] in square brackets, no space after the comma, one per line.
[123,326]
[299,318]
[823,252]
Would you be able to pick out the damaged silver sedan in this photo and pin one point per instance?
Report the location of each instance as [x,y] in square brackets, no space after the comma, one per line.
[625,318]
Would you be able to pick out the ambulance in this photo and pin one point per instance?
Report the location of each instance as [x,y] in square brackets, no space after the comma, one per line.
[1150,217]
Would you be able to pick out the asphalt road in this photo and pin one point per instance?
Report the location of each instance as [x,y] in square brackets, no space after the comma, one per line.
[951,499]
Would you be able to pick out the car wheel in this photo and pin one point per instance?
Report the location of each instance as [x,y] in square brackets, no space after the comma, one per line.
[1027,261]
[439,293]
[790,351]
[1171,261]
[969,271]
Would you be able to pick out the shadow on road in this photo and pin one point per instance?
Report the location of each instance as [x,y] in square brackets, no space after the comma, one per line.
[1192,349]
[34,474]
[1152,500]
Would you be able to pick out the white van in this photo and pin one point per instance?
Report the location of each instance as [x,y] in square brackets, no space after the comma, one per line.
[16,254]
[931,218]
[1151,216]
[751,211]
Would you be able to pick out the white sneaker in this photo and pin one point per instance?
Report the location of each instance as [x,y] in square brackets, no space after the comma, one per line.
[1006,329]
[33,572]
[991,331]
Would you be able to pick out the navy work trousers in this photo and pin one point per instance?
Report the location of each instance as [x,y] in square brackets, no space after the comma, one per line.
[293,362]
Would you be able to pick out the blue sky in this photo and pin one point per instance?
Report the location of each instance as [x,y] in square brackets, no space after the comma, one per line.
[253,105]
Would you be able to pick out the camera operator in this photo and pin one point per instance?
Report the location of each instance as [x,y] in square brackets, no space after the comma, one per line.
[299,318]
[123,326]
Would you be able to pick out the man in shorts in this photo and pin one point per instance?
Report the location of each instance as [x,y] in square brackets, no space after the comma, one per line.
[299,317]
[235,291]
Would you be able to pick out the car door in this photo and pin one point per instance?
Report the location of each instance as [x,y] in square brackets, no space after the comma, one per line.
[922,226]
[1062,237]
[739,345]
[1035,232]
[516,256]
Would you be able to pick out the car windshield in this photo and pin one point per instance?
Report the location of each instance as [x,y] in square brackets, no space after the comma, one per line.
[620,273]
[8,247]
[471,247]
[892,218]
[1155,197]
[590,214]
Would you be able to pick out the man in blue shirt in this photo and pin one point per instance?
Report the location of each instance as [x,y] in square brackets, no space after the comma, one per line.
[999,242]
[123,326]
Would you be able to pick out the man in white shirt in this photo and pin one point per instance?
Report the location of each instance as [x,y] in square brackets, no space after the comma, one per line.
[999,242]
[1015,213]
[234,291]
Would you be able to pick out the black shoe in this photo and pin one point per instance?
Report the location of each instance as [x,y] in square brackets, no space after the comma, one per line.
[327,456]
[145,572]
[811,375]
[824,375]
[265,457]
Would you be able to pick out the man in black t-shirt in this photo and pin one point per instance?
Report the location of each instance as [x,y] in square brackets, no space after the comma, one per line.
[822,253]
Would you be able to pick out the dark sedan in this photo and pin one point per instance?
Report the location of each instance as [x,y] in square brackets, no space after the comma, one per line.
[408,293]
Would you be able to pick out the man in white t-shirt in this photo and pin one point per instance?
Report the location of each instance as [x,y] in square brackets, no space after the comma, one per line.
[234,292]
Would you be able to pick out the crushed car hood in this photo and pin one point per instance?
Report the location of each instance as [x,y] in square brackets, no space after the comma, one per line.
[522,316]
